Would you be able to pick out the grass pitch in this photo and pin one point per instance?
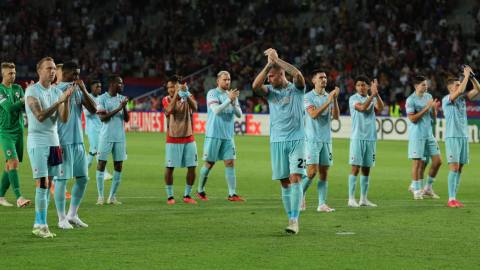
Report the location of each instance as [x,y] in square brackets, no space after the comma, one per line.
[146,233]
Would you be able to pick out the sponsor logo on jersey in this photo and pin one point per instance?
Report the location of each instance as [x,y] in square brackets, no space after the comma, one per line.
[283,101]
[9,152]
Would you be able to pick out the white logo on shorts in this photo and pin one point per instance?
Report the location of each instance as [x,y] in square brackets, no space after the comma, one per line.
[35,170]
[169,161]
[414,153]
[98,153]
[309,157]
[62,172]
[352,158]
[206,155]
[451,156]
[9,152]
[94,148]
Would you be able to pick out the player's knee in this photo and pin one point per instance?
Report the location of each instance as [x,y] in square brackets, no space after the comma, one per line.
[209,164]
[118,166]
[13,164]
[366,171]
[355,170]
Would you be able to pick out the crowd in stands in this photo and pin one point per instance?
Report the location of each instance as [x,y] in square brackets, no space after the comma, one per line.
[393,41]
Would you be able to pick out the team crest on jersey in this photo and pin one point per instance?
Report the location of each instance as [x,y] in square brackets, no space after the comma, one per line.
[9,152]
[289,89]
[62,172]
[35,170]
[17,94]
[309,157]
[352,158]
[414,153]
[451,156]
[461,99]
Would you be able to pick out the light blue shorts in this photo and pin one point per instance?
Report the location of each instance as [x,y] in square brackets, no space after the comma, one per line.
[181,155]
[117,149]
[457,150]
[319,153]
[287,158]
[93,140]
[423,148]
[74,161]
[426,159]
[39,162]
[362,153]
[218,149]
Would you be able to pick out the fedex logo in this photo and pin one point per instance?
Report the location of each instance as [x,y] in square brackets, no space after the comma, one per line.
[249,126]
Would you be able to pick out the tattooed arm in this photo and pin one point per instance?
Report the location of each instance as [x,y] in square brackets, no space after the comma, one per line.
[298,79]
[38,112]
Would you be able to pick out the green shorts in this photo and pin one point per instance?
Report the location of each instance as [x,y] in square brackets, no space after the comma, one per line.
[12,145]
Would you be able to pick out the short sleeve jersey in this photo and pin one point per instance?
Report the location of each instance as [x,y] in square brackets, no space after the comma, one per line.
[286,113]
[455,112]
[11,122]
[319,129]
[92,122]
[42,134]
[113,130]
[363,123]
[220,126]
[72,131]
[422,129]
[166,101]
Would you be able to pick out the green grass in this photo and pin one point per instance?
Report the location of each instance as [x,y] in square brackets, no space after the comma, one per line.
[146,233]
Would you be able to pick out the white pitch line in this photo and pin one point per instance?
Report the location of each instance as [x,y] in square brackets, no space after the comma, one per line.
[231,208]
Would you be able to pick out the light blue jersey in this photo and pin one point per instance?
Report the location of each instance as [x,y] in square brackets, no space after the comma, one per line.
[286,113]
[92,122]
[318,130]
[422,129]
[113,130]
[220,126]
[42,134]
[72,131]
[456,116]
[363,123]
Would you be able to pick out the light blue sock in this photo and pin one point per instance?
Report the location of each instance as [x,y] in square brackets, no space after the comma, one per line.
[430,180]
[352,185]
[231,180]
[37,218]
[41,206]
[422,183]
[59,194]
[364,185]
[188,190]
[78,190]
[451,184]
[202,181]
[89,160]
[306,182]
[296,197]
[54,181]
[169,191]
[457,182]
[322,187]
[287,202]
[417,186]
[100,183]
[117,178]
[48,195]
[413,183]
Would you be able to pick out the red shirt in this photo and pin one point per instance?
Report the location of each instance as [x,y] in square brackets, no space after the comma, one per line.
[166,102]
